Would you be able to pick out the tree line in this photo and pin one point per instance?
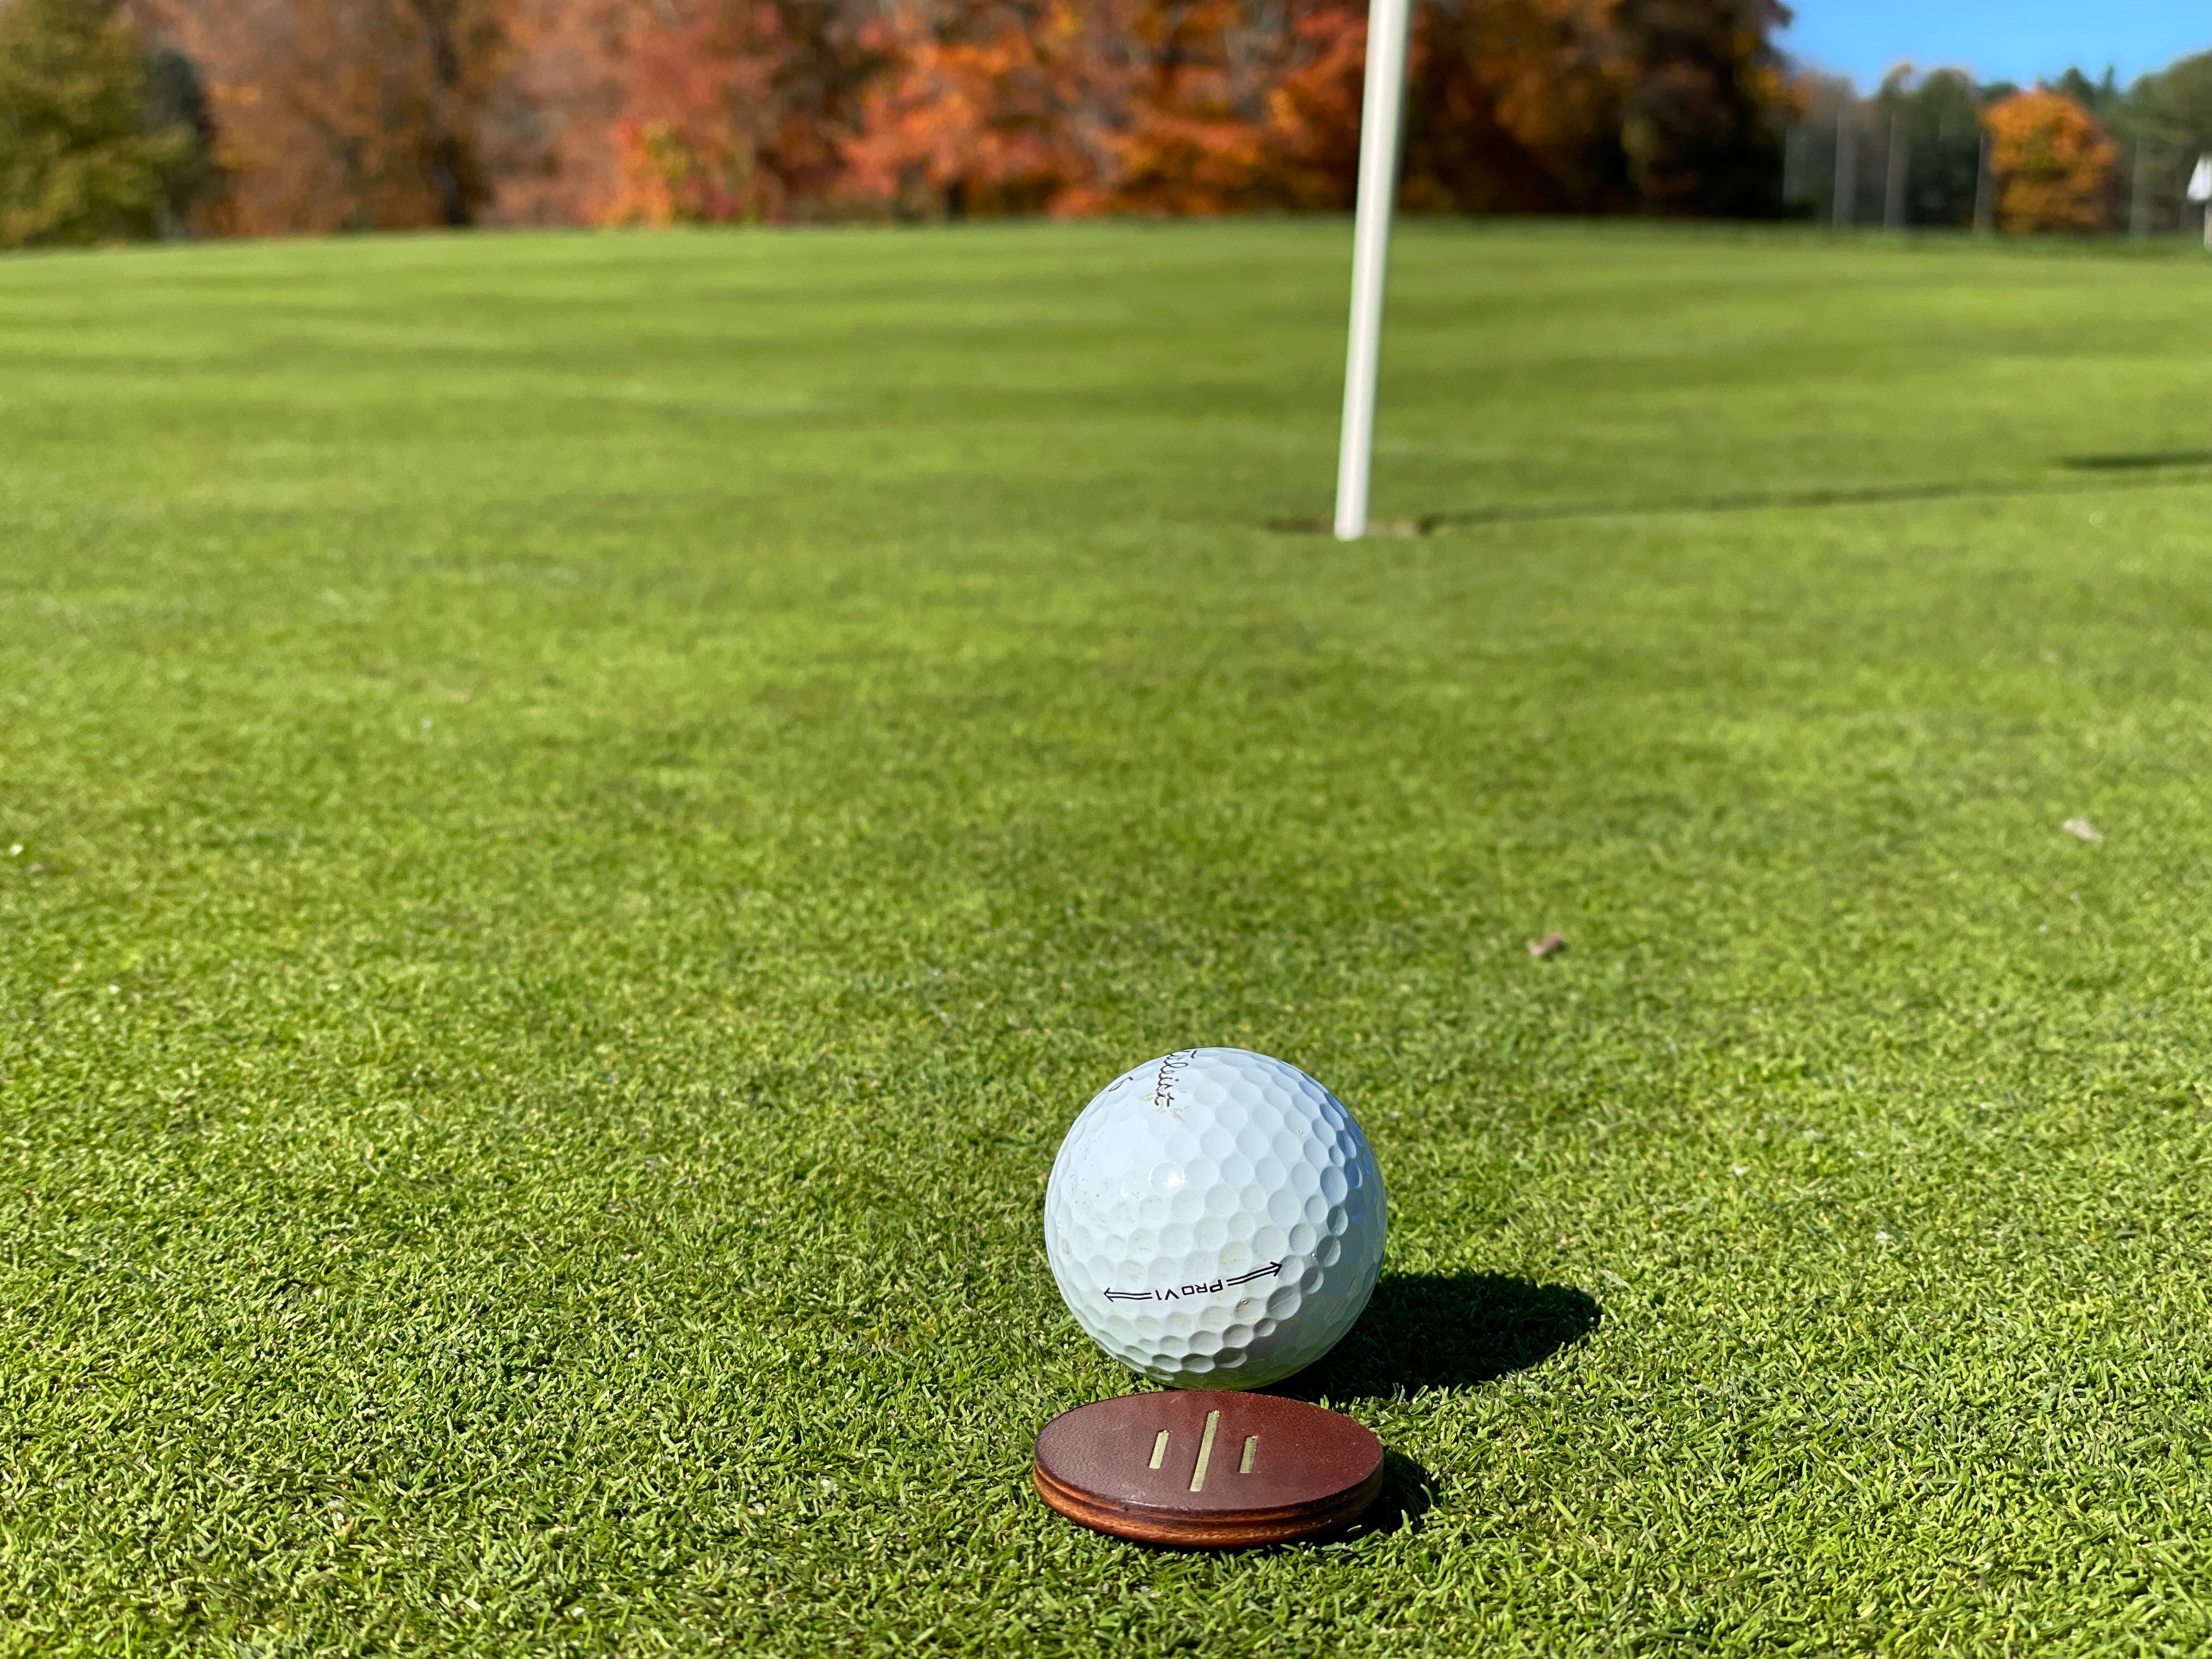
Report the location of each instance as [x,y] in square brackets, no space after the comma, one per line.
[256,117]
[1938,149]
[139,118]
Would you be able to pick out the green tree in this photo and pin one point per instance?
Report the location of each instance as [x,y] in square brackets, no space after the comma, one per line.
[79,161]
[1940,119]
[2166,120]
[1934,120]
[2102,99]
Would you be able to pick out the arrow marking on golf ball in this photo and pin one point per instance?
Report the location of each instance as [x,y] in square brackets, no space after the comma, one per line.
[1271,1268]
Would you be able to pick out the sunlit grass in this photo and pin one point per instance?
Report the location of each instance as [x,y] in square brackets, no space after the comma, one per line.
[578,814]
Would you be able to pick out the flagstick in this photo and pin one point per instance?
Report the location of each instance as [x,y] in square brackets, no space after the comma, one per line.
[1387,21]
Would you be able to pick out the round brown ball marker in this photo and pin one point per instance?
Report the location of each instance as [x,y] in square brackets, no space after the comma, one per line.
[1208,1470]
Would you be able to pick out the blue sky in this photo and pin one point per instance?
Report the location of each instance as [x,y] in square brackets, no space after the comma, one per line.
[1998,40]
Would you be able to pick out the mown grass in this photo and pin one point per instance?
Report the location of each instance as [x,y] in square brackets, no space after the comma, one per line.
[590,807]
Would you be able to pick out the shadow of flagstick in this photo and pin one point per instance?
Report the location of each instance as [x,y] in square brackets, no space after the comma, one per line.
[2194,465]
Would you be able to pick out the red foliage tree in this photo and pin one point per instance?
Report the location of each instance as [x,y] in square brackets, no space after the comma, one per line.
[738,110]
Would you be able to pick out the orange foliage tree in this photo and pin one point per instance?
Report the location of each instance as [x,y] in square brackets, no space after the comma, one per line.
[1102,107]
[991,106]
[2052,162]
[1237,106]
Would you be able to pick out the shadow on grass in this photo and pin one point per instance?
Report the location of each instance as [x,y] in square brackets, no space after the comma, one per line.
[1437,1331]
[1409,1491]
[1431,1331]
[2138,461]
[1446,1330]
[2145,466]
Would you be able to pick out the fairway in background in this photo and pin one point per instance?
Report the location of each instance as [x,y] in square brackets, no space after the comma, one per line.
[590,808]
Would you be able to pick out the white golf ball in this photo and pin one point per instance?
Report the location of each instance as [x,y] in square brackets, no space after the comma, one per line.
[1215,1219]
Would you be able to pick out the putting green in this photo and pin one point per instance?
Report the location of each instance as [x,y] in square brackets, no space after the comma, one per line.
[589,808]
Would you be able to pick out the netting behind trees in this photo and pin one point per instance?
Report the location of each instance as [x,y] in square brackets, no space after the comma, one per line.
[1939,151]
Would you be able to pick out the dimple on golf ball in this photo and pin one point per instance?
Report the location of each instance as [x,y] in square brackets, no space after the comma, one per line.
[1215,1219]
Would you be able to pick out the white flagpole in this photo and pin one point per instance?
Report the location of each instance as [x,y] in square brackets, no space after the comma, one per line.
[1387,21]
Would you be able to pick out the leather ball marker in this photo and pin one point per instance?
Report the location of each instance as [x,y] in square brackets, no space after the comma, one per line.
[1205,1469]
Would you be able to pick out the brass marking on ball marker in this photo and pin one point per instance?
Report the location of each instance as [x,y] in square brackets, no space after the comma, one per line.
[1204,1451]
[1251,1453]
[1159,1449]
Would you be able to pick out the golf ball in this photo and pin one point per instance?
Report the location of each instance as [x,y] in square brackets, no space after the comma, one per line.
[1215,1219]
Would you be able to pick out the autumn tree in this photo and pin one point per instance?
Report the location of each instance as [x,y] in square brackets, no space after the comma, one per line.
[1669,106]
[2051,162]
[337,114]
[991,106]
[79,159]
[1514,107]
[1702,91]
[738,110]
[1239,105]
[458,48]
[548,137]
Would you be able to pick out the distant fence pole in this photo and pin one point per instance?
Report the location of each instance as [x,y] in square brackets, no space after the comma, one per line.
[1847,175]
[2139,190]
[1985,206]
[1387,21]
[1899,160]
